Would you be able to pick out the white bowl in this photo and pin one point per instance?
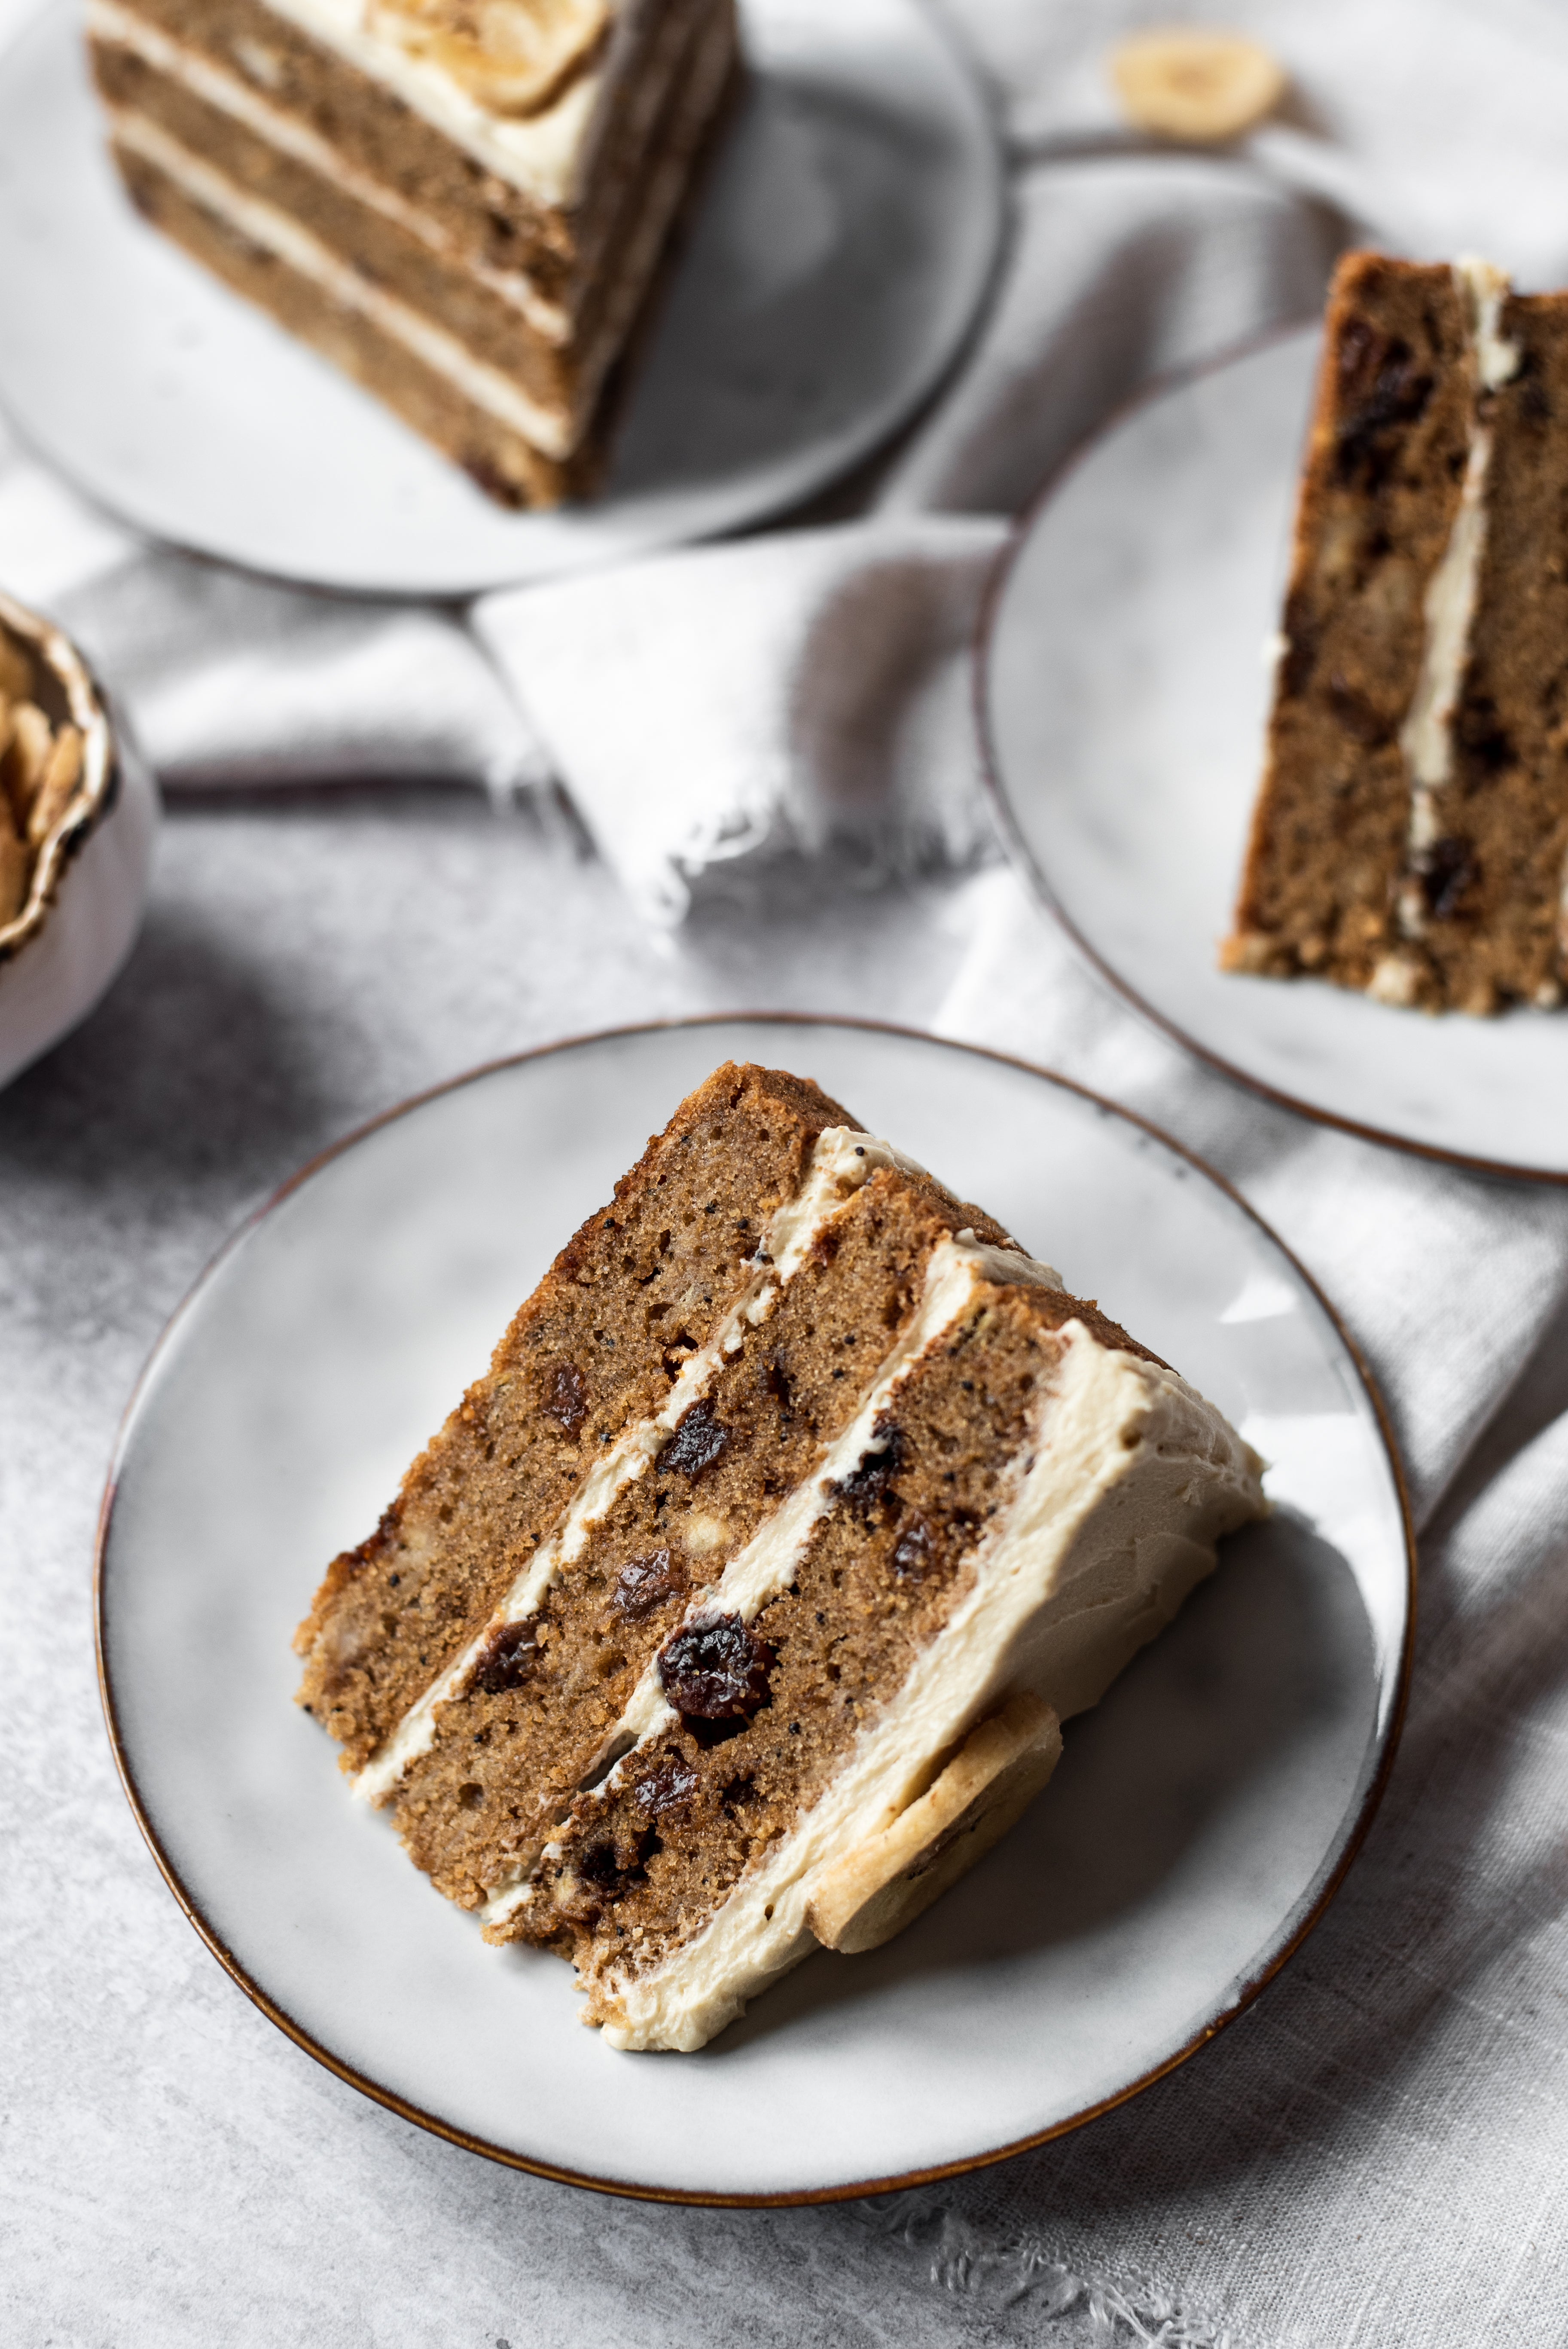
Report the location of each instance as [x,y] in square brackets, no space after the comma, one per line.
[90,884]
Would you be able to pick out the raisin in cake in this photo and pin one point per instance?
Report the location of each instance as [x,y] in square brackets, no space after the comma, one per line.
[461,203]
[735,1610]
[1411,835]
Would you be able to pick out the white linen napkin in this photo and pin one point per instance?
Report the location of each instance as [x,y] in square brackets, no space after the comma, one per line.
[793,692]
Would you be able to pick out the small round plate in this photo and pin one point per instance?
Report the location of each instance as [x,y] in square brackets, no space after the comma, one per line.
[1200,1818]
[841,245]
[1125,686]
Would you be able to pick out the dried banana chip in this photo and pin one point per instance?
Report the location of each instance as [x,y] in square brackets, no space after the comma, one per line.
[16,671]
[513,56]
[57,787]
[26,757]
[1203,87]
[16,869]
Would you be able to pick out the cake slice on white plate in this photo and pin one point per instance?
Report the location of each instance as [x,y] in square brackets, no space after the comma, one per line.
[463,204]
[736,1608]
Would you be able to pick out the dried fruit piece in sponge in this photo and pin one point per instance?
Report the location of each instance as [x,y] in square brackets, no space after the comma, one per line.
[717,1669]
[513,56]
[1200,87]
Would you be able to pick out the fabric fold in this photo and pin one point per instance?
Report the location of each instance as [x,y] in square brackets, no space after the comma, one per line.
[785,694]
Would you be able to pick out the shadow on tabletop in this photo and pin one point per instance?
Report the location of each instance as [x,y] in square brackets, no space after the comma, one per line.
[1265,1674]
[192,1066]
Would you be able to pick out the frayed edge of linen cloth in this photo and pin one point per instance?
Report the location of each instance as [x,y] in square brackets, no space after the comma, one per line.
[771,697]
[993,2273]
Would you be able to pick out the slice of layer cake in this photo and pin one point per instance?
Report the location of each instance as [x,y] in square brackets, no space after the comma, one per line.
[735,1609]
[461,203]
[1411,837]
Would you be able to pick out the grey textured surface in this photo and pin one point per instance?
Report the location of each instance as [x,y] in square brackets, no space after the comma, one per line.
[174,2170]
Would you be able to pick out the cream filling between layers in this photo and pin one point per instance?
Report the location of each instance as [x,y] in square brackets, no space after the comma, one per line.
[1113,1516]
[770,1561]
[1447,612]
[273,232]
[117,27]
[841,1159]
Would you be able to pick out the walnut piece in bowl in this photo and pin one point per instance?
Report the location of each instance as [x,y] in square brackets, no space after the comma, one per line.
[77,809]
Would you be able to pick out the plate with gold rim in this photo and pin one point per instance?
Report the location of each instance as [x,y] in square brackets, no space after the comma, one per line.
[1200,1820]
[1124,678]
[841,246]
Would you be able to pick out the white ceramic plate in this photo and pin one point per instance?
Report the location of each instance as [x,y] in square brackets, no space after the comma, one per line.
[843,244]
[1125,693]
[1196,1827]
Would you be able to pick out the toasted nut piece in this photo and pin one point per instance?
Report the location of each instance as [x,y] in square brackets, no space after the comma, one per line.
[15,670]
[1199,86]
[27,756]
[874,1892]
[16,869]
[513,56]
[62,773]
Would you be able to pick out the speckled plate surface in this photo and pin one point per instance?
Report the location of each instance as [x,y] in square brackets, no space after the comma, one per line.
[1125,690]
[1201,1818]
[843,244]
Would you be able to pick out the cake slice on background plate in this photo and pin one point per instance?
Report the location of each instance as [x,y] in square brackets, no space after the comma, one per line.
[735,1609]
[1410,837]
[463,204]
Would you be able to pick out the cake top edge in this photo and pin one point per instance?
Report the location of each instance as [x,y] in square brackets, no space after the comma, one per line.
[441,75]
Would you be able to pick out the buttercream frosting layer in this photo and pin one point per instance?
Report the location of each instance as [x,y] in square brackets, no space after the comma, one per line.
[1448,611]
